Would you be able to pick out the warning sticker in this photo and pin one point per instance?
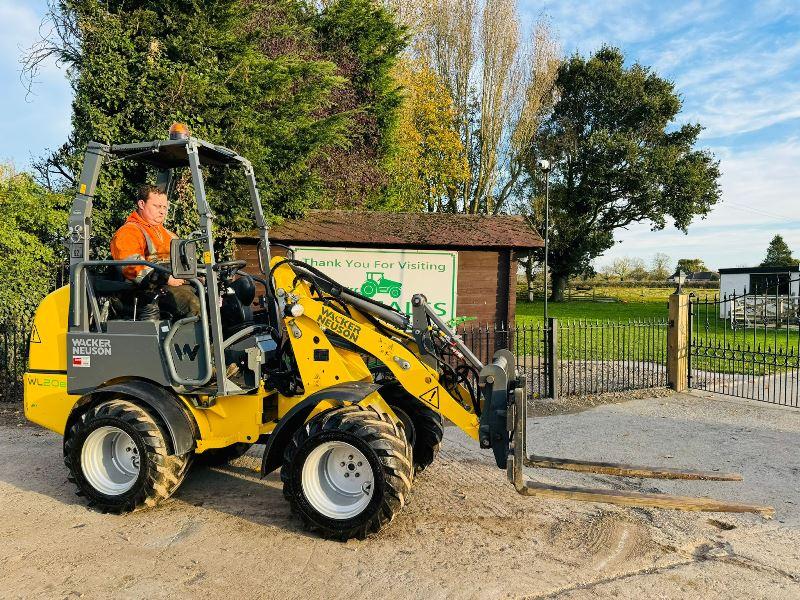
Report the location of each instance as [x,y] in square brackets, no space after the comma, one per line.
[35,339]
[431,397]
[81,361]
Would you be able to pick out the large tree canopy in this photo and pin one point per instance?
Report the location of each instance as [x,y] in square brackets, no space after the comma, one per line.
[428,164]
[251,75]
[616,159]
[362,38]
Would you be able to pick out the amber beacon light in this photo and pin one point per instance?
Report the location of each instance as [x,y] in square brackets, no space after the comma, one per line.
[178,131]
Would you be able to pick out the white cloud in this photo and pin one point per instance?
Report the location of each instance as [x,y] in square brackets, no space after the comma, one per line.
[19,27]
[760,196]
[735,68]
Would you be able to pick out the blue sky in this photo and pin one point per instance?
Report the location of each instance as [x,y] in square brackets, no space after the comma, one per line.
[735,63]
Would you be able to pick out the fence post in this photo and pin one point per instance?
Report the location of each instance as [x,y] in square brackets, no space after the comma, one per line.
[678,342]
[552,358]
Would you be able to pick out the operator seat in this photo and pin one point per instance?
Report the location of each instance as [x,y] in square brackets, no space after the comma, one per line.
[236,310]
[125,295]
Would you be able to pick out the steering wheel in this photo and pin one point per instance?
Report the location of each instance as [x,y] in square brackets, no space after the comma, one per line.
[228,268]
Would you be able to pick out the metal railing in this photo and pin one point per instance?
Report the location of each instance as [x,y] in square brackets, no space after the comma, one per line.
[594,357]
[579,357]
[14,336]
[746,345]
[562,358]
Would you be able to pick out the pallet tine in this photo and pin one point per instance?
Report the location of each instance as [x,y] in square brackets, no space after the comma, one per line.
[517,459]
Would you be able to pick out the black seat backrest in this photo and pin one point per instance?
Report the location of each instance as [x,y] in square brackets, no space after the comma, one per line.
[245,290]
[236,310]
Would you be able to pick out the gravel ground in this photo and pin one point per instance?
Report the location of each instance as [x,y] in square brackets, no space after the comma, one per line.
[465,533]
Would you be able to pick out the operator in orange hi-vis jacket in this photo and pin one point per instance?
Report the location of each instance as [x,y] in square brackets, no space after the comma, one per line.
[144,237]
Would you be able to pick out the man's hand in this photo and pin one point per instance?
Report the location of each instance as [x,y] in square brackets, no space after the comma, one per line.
[175,282]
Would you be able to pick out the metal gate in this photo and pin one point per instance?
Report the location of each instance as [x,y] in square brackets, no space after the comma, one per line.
[577,357]
[746,345]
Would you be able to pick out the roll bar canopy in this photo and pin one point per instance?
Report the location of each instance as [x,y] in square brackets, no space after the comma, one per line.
[172,154]
[164,155]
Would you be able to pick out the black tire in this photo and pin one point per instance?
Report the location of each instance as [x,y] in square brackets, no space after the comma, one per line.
[218,457]
[160,474]
[428,424]
[381,441]
[408,425]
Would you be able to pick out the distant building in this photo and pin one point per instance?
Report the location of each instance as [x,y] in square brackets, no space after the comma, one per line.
[755,281]
[704,276]
[398,250]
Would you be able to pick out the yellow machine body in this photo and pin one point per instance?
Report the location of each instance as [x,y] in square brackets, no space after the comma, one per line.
[226,420]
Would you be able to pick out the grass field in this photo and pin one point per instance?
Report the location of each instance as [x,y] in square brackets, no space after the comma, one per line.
[631,303]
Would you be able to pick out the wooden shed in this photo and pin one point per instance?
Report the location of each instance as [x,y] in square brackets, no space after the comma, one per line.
[486,248]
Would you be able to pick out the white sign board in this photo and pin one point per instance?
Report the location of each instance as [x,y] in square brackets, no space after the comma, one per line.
[391,276]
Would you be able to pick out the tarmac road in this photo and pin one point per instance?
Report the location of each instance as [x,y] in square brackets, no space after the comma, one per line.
[465,534]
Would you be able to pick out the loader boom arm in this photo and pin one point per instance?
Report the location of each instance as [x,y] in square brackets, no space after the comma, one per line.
[389,345]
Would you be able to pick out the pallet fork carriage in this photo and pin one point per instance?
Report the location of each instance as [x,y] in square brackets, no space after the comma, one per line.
[347,394]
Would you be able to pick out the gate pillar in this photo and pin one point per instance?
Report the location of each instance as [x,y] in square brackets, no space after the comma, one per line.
[678,342]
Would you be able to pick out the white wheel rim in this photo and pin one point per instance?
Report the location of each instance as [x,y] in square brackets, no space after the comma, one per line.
[110,460]
[337,480]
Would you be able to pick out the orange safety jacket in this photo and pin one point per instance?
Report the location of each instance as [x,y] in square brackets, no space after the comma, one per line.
[138,240]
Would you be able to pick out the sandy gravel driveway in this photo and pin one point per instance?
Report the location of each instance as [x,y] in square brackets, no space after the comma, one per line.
[466,534]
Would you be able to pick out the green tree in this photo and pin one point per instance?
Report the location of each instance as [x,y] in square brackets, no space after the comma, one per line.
[34,219]
[427,164]
[660,266]
[616,160]
[236,78]
[691,265]
[364,40]
[779,254]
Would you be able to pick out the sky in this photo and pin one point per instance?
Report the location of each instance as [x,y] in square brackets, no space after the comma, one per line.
[736,65]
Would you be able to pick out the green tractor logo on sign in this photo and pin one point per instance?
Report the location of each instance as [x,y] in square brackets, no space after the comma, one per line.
[377,283]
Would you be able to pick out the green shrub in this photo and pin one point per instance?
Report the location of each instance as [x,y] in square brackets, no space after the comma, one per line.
[32,228]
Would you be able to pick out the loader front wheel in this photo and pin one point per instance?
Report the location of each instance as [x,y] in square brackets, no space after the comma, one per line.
[347,472]
[428,427]
[116,453]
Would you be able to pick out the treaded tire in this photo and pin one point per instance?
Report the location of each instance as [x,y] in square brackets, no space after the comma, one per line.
[428,424]
[384,445]
[217,457]
[160,474]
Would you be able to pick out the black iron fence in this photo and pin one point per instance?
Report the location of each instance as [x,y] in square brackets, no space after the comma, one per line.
[562,358]
[594,357]
[747,345]
[14,335]
[579,357]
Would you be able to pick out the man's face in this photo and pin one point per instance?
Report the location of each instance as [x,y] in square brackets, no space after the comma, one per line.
[154,209]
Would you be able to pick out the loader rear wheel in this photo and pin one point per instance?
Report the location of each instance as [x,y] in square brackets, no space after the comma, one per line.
[347,472]
[116,453]
[217,457]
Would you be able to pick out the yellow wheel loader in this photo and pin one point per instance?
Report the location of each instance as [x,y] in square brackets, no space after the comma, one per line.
[347,394]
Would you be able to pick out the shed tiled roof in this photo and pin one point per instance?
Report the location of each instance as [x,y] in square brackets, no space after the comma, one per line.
[355,228]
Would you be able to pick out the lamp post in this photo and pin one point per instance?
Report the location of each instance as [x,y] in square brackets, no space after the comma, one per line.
[544,167]
[678,278]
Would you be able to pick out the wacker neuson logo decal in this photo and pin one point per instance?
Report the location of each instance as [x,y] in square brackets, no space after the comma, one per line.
[91,347]
[339,324]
